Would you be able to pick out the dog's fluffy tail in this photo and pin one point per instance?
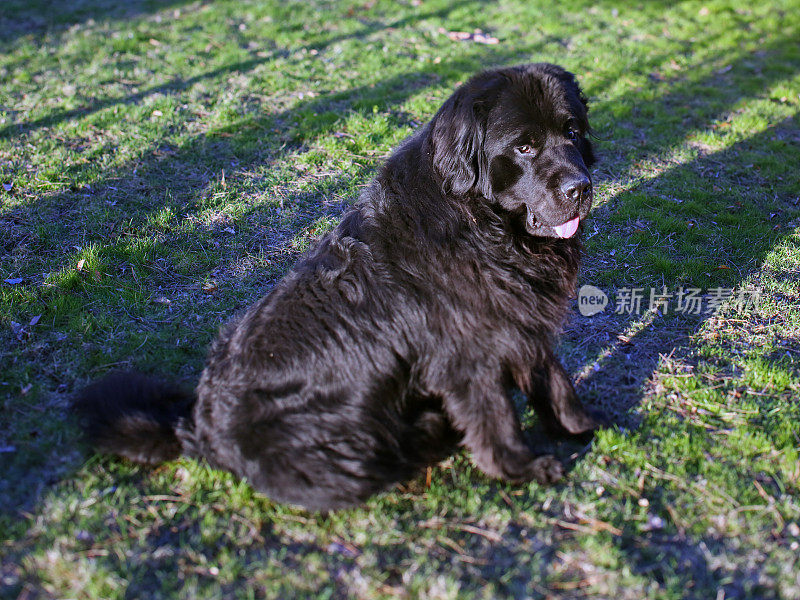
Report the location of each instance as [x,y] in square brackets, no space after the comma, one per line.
[141,418]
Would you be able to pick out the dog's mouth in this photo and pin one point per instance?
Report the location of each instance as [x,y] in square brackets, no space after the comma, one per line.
[565,230]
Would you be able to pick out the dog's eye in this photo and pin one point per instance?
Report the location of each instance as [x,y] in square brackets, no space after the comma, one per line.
[572,134]
[525,149]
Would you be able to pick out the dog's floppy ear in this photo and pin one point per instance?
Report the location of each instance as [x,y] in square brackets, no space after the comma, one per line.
[458,133]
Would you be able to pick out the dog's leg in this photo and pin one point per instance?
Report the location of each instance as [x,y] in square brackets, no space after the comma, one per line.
[487,419]
[551,394]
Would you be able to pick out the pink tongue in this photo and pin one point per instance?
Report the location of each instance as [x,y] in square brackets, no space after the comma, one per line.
[567,229]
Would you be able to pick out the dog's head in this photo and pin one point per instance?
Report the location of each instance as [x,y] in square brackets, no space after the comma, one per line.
[518,138]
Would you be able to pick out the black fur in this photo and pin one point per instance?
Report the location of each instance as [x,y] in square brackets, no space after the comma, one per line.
[136,416]
[399,336]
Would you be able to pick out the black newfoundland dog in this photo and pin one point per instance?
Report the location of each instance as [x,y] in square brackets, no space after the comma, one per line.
[399,336]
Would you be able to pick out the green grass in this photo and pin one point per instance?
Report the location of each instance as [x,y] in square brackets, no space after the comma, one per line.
[169,161]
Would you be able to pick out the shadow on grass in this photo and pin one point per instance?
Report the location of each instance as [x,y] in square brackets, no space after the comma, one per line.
[35,17]
[627,347]
[616,382]
[178,85]
[618,385]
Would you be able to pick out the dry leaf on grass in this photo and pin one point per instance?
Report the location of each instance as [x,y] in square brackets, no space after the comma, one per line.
[476,36]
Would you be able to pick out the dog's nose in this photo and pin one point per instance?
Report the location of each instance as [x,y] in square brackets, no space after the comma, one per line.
[575,188]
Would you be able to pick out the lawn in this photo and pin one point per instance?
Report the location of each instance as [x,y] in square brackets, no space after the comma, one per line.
[164,163]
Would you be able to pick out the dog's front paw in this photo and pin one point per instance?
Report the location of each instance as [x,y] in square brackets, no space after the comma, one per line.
[546,469]
[519,466]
